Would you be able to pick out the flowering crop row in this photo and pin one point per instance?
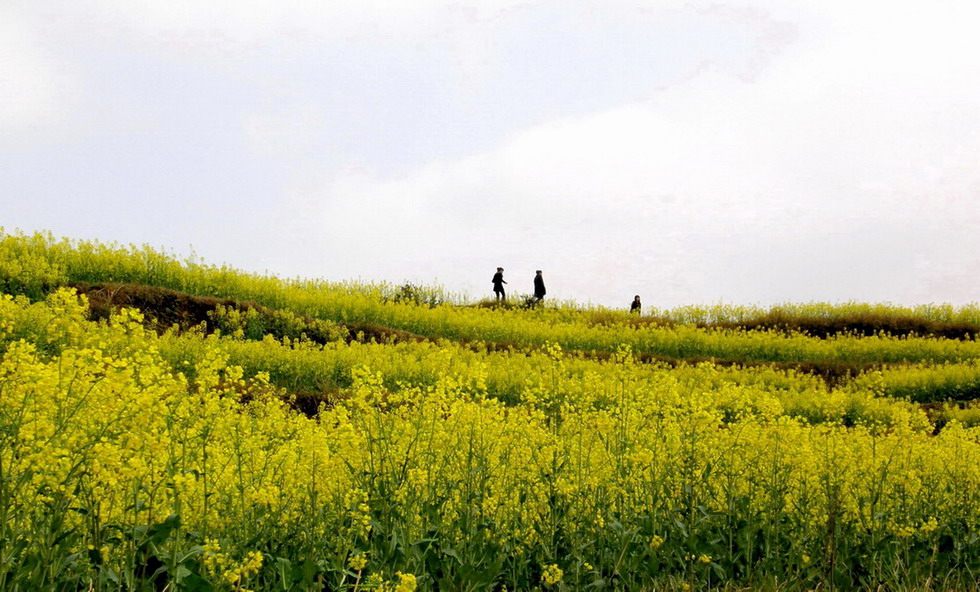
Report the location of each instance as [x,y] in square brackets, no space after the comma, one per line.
[789,313]
[131,460]
[38,263]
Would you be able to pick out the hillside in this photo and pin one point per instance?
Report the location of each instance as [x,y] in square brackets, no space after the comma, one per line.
[170,424]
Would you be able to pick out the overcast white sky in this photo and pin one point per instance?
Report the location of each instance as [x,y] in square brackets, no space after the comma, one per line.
[756,152]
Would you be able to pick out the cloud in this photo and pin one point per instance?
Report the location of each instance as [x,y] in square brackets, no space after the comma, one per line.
[35,89]
[836,175]
[281,133]
[227,30]
[753,151]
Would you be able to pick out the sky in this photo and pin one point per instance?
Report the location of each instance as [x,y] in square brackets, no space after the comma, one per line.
[747,152]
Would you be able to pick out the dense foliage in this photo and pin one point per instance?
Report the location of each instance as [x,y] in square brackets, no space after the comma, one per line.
[274,446]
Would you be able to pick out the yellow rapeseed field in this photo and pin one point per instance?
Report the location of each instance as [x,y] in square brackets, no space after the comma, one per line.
[132,459]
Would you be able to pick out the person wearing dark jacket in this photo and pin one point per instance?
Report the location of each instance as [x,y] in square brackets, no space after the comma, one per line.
[539,290]
[635,306]
[498,284]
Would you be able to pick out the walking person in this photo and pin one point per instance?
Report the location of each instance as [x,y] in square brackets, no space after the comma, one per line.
[539,290]
[635,306]
[498,285]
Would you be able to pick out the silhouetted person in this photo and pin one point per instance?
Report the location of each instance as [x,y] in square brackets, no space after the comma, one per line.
[498,284]
[539,290]
[635,306]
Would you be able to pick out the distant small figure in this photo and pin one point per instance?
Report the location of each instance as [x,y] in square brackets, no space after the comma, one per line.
[539,290]
[498,284]
[635,306]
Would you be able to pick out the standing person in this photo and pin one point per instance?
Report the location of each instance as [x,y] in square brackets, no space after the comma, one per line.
[498,284]
[635,306]
[539,290]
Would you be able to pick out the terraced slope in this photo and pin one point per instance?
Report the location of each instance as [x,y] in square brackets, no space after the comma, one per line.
[170,425]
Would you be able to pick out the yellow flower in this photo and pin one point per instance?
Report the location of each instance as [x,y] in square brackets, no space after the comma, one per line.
[406,582]
[357,562]
[551,574]
[252,563]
